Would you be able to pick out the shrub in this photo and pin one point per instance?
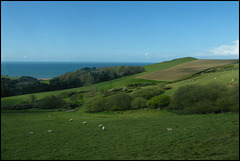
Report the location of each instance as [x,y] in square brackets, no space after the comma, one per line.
[134,85]
[120,101]
[210,98]
[168,88]
[52,102]
[229,101]
[148,92]
[159,101]
[138,102]
[97,104]
[162,86]
[201,107]
[76,100]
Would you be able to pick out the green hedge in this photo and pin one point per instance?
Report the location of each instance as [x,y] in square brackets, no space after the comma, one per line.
[210,98]
[160,101]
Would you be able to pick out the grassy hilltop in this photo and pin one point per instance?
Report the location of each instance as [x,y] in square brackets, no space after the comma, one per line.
[131,134]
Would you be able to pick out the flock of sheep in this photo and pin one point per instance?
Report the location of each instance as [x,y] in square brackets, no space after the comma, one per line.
[84,123]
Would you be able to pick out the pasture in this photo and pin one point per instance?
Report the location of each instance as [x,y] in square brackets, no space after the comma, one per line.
[184,69]
[137,134]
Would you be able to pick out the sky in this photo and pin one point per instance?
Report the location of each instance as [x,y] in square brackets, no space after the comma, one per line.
[118,31]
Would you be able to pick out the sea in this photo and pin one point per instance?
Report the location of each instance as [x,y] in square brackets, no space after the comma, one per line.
[54,69]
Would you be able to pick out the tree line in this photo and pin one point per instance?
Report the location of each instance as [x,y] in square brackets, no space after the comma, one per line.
[83,77]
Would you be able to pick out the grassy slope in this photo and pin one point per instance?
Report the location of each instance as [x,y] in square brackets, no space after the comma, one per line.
[140,134]
[221,77]
[185,69]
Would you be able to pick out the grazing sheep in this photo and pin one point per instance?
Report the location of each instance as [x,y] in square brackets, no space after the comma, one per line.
[169,129]
[232,79]
[100,125]
[31,132]
[84,122]
[50,131]
[71,120]
[215,78]
[103,128]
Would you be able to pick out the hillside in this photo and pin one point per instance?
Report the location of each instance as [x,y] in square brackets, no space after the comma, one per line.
[120,82]
[185,69]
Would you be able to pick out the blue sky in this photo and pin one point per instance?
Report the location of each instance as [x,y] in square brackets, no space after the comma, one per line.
[118,31]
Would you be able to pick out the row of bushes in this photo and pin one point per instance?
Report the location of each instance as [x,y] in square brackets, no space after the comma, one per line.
[146,97]
[135,85]
[115,90]
[124,101]
[210,98]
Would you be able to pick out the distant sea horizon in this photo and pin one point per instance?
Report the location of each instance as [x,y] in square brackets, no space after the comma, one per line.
[51,69]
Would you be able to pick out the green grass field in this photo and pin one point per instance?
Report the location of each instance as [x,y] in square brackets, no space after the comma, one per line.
[140,134]
[133,134]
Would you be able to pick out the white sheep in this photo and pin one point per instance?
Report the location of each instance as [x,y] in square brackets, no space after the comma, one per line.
[215,78]
[169,129]
[103,128]
[100,125]
[71,120]
[84,122]
[50,131]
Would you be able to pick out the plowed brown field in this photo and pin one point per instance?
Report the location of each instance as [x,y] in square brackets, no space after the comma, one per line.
[185,69]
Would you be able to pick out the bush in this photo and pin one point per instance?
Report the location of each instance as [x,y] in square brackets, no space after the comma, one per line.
[96,104]
[229,101]
[52,102]
[76,100]
[148,92]
[210,98]
[135,85]
[160,101]
[162,86]
[120,101]
[138,102]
